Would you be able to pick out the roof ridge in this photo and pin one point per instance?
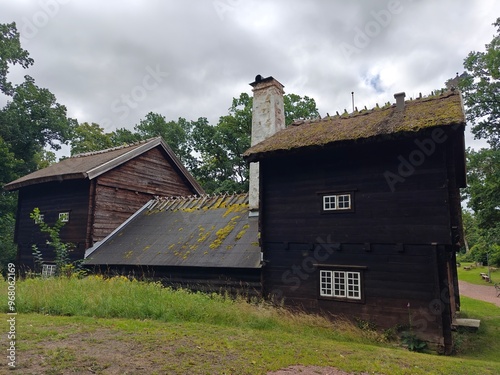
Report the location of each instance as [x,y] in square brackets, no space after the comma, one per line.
[98,152]
[433,95]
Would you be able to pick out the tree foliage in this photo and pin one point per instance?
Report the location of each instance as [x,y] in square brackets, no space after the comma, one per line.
[11,53]
[481,90]
[31,121]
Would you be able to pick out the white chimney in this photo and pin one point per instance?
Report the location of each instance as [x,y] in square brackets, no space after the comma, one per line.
[268,118]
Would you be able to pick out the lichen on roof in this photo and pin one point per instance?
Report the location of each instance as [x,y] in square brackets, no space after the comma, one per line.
[439,110]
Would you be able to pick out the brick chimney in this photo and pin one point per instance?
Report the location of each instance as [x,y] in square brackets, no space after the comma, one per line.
[268,117]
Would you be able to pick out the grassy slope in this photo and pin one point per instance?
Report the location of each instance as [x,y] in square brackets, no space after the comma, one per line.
[474,275]
[125,327]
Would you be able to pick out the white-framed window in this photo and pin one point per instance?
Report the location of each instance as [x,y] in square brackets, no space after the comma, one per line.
[64,217]
[337,202]
[340,284]
[48,270]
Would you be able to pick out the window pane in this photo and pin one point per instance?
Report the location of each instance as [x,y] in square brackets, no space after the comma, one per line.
[353,285]
[344,202]
[339,284]
[329,202]
[326,283]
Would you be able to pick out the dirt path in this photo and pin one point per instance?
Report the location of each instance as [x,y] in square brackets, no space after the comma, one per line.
[485,293]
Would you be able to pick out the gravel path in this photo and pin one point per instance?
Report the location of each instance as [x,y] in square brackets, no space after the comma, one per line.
[485,293]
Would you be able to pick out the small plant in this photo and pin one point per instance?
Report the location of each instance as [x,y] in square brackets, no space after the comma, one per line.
[410,339]
[62,249]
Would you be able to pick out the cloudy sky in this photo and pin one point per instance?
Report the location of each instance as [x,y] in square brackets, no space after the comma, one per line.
[111,62]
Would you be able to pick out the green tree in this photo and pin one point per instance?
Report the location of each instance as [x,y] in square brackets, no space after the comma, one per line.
[483,194]
[31,121]
[87,137]
[297,108]
[481,90]
[175,133]
[11,53]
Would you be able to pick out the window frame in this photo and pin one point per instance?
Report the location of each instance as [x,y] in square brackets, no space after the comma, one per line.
[329,289]
[48,270]
[326,199]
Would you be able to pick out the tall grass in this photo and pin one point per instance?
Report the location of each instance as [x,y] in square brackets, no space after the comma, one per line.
[119,297]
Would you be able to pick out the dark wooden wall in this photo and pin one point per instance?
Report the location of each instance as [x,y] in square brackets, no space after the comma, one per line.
[399,237]
[237,281]
[52,198]
[122,191]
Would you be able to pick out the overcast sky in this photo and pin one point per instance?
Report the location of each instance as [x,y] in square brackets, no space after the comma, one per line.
[112,62]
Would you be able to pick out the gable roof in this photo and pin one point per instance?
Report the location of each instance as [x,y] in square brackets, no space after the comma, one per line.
[207,231]
[442,110]
[92,164]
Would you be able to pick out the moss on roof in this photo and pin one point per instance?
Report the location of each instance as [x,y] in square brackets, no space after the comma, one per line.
[418,114]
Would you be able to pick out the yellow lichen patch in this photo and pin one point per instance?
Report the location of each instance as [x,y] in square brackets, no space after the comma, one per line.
[223,233]
[242,232]
[128,254]
[181,229]
[203,236]
[171,246]
[235,208]
[146,247]
[229,247]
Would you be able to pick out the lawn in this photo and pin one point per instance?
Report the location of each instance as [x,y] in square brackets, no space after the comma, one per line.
[473,275]
[97,326]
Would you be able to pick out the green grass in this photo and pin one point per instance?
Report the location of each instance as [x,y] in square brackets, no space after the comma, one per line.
[474,274]
[102,326]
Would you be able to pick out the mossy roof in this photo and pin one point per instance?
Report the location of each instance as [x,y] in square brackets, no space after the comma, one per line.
[207,231]
[419,114]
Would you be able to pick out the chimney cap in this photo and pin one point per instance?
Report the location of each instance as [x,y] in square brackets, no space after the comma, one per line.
[260,79]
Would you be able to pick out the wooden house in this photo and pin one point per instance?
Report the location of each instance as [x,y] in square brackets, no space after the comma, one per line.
[95,193]
[360,214]
[206,243]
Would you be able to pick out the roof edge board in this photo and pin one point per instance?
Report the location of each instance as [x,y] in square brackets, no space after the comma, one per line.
[96,246]
[97,171]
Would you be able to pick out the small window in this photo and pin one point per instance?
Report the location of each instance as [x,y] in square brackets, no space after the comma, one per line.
[48,270]
[337,202]
[340,284]
[64,217]
[40,219]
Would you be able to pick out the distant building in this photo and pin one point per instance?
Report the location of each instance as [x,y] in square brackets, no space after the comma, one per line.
[94,193]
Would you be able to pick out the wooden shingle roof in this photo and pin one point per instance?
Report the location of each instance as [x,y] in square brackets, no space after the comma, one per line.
[441,110]
[92,164]
[207,231]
